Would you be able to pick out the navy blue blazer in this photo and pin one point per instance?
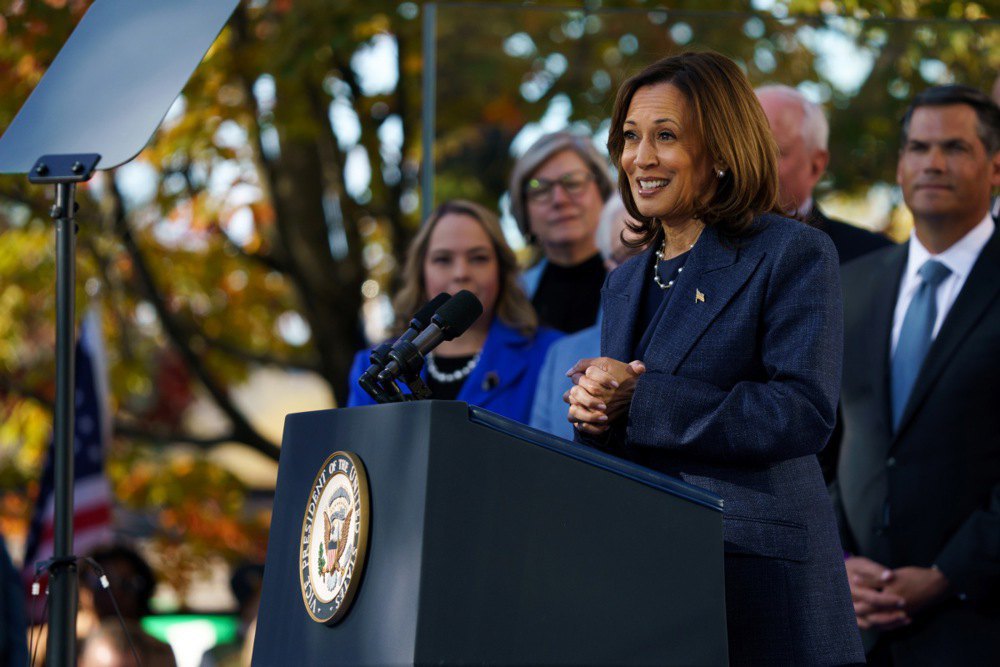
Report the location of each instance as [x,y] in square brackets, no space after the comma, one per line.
[504,379]
[740,393]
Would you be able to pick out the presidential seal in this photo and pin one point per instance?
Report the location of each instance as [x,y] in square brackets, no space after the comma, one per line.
[334,538]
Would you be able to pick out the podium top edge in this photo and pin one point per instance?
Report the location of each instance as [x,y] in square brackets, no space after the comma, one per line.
[580,452]
[483,417]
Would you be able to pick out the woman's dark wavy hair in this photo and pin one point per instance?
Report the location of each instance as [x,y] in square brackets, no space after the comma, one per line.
[733,129]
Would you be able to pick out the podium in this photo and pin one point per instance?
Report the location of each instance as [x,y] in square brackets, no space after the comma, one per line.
[490,542]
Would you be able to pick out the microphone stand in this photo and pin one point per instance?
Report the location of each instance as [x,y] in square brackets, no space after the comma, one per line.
[419,390]
[382,393]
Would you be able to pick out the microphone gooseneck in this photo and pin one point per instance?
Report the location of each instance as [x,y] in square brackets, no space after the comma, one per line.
[379,356]
[406,358]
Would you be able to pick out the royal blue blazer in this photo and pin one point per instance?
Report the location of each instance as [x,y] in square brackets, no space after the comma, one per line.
[503,381]
[740,393]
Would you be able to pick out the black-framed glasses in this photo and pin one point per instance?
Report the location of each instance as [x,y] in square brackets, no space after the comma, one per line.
[540,190]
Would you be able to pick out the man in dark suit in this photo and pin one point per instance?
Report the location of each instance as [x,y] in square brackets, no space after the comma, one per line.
[918,483]
[802,134]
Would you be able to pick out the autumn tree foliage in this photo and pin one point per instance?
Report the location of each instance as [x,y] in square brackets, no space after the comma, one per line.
[282,187]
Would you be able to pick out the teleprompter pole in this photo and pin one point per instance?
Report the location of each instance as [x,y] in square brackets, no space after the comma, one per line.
[100,101]
[62,573]
[63,172]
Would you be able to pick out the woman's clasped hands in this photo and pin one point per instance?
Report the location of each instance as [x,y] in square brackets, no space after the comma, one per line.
[601,392]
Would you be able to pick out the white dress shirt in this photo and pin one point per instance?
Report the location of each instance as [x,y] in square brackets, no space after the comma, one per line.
[959,258]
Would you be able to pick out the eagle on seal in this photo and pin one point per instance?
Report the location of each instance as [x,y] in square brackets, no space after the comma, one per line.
[335,537]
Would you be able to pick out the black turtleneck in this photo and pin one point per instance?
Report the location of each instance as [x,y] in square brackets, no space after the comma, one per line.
[568,297]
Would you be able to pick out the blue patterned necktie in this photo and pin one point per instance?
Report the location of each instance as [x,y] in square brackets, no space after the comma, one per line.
[915,336]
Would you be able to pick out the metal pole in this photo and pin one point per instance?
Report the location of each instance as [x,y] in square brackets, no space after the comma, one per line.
[63,584]
[428,103]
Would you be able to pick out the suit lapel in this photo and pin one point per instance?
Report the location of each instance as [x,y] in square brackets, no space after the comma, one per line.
[712,276]
[980,290]
[621,308]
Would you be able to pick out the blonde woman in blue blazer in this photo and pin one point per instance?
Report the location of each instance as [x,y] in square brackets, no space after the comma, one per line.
[495,363]
[722,352]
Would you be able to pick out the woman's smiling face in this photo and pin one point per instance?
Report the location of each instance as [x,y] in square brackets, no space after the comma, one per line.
[669,171]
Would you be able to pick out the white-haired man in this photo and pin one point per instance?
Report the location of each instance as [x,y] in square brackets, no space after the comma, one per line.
[802,134]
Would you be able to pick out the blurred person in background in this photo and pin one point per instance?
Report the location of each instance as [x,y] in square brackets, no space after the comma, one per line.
[918,481]
[108,646]
[495,363]
[802,133]
[246,583]
[995,208]
[557,191]
[132,583]
[13,615]
[549,410]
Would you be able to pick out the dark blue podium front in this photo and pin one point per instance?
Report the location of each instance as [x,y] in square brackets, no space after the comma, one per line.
[493,543]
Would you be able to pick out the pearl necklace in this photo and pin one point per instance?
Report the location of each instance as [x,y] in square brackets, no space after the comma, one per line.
[656,267]
[454,376]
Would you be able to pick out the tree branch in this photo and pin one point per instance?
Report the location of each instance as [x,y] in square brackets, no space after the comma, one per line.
[243,430]
[166,436]
[245,79]
[151,434]
[265,359]
[269,262]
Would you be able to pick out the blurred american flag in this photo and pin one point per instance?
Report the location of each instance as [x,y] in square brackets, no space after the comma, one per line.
[91,431]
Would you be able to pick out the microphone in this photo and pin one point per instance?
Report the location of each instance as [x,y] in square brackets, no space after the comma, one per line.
[379,356]
[448,323]
[422,319]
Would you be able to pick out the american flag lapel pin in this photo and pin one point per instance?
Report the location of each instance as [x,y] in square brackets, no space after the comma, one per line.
[698,296]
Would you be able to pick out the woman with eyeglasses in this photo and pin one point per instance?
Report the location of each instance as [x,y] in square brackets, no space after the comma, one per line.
[558,189]
[495,363]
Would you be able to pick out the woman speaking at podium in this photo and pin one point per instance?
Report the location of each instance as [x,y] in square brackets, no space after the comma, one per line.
[722,352]
[495,363]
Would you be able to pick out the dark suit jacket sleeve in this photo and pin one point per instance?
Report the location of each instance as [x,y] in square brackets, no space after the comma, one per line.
[971,558]
[788,410]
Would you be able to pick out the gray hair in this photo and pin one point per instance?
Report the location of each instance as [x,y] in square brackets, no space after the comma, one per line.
[613,208]
[538,154]
[815,128]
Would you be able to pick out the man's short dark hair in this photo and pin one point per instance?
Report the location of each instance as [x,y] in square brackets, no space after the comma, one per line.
[987,111]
